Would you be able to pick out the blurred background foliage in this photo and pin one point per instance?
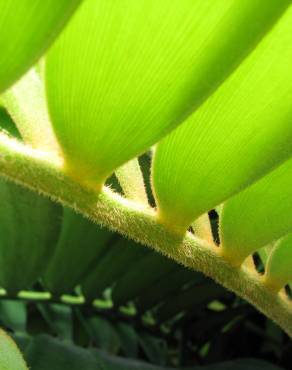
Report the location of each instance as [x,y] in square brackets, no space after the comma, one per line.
[104,302]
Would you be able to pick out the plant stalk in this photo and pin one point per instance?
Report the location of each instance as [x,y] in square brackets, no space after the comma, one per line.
[44,174]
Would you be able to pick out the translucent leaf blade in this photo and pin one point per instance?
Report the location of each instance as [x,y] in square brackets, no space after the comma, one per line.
[26,30]
[139,68]
[240,133]
[279,264]
[257,216]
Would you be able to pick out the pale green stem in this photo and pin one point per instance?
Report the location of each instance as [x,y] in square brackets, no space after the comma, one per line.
[36,170]
[202,228]
[131,180]
[26,104]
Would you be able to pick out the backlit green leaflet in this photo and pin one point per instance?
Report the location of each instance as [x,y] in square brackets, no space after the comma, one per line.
[140,67]
[257,216]
[27,29]
[240,133]
[279,269]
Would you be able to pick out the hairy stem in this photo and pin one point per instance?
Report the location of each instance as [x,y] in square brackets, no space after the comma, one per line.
[36,170]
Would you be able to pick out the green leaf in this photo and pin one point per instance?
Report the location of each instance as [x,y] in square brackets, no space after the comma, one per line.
[7,125]
[119,257]
[13,315]
[133,283]
[128,339]
[22,340]
[10,357]
[81,244]
[190,298]
[244,364]
[59,318]
[117,363]
[166,287]
[239,134]
[29,227]
[279,264]
[140,67]
[154,348]
[26,31]
[46,353]
[103,333]
[257,216]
